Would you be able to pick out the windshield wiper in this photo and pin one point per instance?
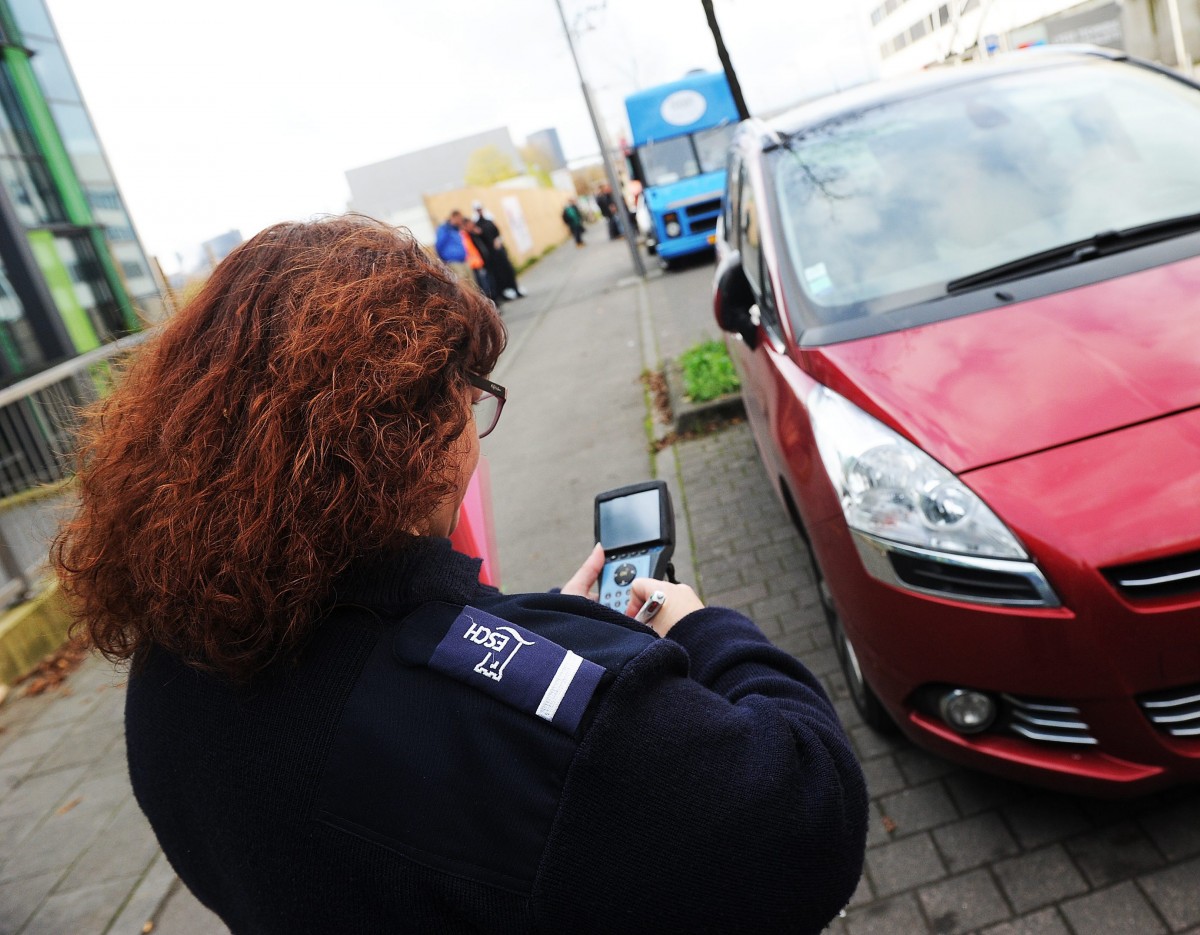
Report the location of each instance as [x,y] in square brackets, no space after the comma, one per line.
[1079,251]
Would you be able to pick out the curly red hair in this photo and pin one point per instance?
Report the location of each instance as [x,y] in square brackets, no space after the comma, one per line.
[297,414]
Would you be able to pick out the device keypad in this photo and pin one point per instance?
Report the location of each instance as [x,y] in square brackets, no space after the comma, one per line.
[617,599]
[617,591]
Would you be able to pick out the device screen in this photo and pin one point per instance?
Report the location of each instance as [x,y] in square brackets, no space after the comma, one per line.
[630,520]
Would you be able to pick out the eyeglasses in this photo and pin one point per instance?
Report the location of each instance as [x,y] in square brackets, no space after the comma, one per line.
[487,405]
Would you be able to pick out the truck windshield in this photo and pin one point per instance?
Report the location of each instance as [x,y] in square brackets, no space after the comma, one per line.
[713,146]
[884,207]
[681,157]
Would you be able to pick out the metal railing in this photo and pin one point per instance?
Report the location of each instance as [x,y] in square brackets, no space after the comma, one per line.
[39,421]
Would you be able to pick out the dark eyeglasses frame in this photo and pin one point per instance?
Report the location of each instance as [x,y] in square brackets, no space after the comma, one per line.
[494,389]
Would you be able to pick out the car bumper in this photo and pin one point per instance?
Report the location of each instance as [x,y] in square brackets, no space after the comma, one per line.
[1105,660]
[1116,666]
[1054,657]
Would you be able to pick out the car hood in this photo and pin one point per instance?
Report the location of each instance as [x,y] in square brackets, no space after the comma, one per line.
[996,385]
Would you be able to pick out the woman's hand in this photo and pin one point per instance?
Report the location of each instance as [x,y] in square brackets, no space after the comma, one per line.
[681,601]
[583,582]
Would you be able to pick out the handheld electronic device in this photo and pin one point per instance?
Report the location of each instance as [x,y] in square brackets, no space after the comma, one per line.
[635,525]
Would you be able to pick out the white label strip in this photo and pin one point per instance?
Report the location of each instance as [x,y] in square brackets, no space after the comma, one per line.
[559,685]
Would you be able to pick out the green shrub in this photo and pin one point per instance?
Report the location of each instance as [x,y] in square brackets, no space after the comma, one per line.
[707,372]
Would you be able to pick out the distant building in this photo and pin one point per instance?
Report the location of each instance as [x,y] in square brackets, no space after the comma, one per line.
[392,190]
[73,274]
[912,34]
[546,141]
[219,247]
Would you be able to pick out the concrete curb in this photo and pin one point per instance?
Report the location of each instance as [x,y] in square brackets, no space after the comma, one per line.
[664,463]
[692,417]
[31,631]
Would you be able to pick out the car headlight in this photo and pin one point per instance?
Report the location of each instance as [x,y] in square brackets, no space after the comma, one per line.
[890,488]
[671,225]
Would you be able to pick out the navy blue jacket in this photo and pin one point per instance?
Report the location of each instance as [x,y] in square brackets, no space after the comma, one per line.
[445,758]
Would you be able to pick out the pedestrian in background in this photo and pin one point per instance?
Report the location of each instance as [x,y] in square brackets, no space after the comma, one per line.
[500,267]
[574,221]
[333,726]
[477,259]
[451,249]
[606,201]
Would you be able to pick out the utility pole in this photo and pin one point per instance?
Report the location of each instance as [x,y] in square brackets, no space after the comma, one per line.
[723,54]
[605,153]
[1183,61]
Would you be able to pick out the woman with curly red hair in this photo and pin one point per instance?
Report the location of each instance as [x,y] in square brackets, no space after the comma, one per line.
[301,411]
[332,725]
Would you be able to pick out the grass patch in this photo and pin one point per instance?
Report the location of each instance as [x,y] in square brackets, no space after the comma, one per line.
[707,372]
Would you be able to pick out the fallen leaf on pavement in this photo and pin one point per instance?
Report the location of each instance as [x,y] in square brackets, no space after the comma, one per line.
[52,671]
[656,384]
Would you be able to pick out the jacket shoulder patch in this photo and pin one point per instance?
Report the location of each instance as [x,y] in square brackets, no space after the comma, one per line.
[516,666]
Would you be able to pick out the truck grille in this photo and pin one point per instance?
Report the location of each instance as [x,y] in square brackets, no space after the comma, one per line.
[1047,721]
[712,207]
[1176,712]
[1164,577]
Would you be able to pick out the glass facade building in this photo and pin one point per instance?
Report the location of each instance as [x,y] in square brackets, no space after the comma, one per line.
[73,274]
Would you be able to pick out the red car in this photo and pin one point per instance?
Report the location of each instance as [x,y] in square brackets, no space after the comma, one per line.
[965,309]
[475,533]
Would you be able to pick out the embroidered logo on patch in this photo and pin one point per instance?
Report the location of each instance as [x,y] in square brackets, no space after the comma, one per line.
[496,641]
[517,666]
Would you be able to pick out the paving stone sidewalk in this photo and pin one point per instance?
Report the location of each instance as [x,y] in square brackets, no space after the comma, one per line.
[75,850]
[950,850]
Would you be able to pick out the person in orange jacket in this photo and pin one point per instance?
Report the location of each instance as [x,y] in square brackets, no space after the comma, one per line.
[476,258]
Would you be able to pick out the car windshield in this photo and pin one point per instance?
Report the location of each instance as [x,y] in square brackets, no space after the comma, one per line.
[884,207]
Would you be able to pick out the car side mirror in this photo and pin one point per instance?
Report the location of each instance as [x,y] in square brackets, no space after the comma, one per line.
[733,300]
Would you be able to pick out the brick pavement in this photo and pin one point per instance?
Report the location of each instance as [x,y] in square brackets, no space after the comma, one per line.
[966,852]
[76,855]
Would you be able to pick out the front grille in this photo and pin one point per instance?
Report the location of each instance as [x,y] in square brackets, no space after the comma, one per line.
[1164,577]
[1047,721]
[963,581]
[712,207]
[1176,712]
[703,224]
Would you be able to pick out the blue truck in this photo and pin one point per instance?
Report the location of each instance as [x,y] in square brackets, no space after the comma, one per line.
[681,132]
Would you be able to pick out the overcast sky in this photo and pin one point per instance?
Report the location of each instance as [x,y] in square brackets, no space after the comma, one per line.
[240,113]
